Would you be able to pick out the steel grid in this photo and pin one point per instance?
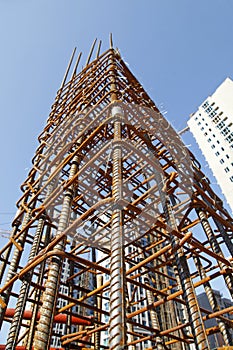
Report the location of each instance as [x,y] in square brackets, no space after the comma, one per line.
[114,197]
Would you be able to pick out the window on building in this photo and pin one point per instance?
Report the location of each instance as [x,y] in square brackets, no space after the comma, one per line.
[216,120]
[227,170]
[196,118]
[230,138]
[222,148]
[217,153]
[231,178]
[205,134]
[213,146]
[209,140]
[227,156]
[199,123]
[212,114]
[209,109]
[206,104]
[202,128]
[225,131]
[221,161]
[220,125]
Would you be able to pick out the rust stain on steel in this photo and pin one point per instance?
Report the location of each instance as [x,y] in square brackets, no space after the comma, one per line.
[113,195]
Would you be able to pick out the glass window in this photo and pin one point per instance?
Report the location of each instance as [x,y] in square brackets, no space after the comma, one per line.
[227,170]
[209,140]
[230,138]
[225,131]
[212,114]
[216,120]
[206,104]
[220,125]
[217,153]
[221,161]
[231,178]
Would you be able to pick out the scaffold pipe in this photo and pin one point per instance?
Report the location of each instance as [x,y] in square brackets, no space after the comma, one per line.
[60,318]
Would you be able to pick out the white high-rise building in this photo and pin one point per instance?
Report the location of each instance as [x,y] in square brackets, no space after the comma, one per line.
[212,127]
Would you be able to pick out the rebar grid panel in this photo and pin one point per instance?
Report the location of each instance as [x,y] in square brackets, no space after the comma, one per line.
[117,229]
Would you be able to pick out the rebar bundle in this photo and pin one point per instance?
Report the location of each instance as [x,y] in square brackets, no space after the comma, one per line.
[117,229]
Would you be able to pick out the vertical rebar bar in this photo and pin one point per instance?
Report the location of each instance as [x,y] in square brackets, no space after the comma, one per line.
[194,313]
[43,332]
[99,283]
[213,301]
[37,295]
[193,310]
[224,235]
[215,247]
[23,293]
[6,255]
[117,329]
[14,263]
[153,315]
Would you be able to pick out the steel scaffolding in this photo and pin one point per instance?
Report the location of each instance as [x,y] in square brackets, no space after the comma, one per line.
[117,229]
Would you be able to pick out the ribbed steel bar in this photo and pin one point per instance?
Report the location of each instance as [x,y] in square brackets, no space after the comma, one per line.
[43,332]
[215,247]
[97,334]
[6,254]
[193,310]
[213,301]
[14,263]
[37,296]
[185,281]
[117,328]
[13,334]
[154,317]
[224,235]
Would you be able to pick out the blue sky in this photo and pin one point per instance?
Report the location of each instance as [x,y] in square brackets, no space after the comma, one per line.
[180,50]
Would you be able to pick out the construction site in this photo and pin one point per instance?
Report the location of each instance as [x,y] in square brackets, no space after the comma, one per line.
[117,230]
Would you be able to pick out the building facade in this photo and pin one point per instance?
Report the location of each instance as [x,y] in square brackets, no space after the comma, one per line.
[215,340]
[212,127]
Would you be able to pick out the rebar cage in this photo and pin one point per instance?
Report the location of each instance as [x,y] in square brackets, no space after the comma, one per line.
[117,230]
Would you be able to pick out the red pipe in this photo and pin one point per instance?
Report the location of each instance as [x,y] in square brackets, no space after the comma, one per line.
[60,318]
[3,347]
